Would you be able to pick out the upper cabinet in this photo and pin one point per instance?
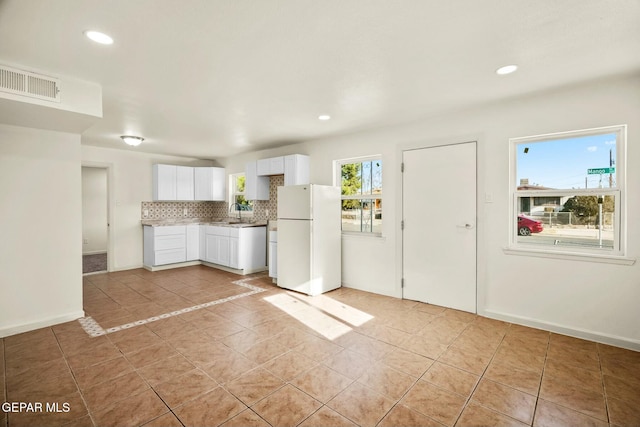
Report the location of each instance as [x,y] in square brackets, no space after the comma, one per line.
[296,169]
[184,183]
[272,166]
[209,184]
[255,187]
[171,183]
[165,184]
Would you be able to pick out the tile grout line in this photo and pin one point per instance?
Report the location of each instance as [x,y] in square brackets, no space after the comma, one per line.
[75,380]
[93,328]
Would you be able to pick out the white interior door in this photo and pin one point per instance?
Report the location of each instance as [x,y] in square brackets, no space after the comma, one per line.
[439,236]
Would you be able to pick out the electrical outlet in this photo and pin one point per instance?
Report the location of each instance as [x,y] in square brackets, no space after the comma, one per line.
[145,213]
[266,213]
[185,212]
[85,241]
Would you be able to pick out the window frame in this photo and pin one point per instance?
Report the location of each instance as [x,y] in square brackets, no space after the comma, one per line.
[372,197]
[618,192]
[233,193]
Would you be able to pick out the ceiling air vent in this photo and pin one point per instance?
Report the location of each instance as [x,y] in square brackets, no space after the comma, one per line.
[29,84]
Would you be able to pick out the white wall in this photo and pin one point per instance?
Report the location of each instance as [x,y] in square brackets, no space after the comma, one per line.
[130,180]
[94,210]
[41,229]
[581,298]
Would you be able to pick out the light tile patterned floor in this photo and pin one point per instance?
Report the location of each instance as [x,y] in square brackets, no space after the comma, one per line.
[283,359]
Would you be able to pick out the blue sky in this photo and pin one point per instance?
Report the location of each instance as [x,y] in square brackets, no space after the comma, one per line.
[563,163]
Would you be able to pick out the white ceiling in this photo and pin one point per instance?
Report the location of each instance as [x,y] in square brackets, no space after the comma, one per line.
[212,78]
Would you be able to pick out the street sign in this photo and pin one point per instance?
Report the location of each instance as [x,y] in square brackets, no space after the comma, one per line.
[600,171]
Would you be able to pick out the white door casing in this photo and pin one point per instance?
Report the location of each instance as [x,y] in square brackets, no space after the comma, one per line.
[439,235]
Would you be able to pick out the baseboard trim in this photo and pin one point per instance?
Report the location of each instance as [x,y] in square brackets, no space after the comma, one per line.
[18,329]
[613,340]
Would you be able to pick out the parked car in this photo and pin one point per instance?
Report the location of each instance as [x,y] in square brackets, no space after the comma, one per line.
[527,225]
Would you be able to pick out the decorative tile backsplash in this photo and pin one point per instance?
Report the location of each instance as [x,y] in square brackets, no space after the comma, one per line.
[260,207]
[171,210]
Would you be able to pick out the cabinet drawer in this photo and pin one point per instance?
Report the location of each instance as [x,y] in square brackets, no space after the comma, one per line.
[234,232]
[169,229]
[170,242]
[170,256]
[217,231]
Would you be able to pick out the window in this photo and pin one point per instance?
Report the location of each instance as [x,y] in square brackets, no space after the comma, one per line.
[568,192]
[361,182]
[237,202]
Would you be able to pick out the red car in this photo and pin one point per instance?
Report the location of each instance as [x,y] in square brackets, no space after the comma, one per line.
[527,225]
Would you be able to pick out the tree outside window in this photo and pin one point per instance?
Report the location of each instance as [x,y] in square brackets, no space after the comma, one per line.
[361,184]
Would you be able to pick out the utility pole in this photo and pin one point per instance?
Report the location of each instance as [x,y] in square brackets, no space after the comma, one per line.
[610,166]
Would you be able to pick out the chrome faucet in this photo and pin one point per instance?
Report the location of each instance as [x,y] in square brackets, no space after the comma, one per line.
[238,207]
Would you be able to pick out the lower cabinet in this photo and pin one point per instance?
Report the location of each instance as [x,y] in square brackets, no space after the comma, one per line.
[240,248]
[216,245]
[165,245]
[193,242]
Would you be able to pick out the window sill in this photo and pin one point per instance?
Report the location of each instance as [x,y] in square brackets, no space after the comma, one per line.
[571,256]
[357,235]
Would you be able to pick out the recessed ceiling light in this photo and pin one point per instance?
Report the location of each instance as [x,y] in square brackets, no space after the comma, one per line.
[324,117]
[132,140]
[507,69]
[98,37]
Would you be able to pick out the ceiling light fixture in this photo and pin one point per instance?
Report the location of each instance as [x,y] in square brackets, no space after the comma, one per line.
[134,141]
[98,37]
[507,69]
[324,117]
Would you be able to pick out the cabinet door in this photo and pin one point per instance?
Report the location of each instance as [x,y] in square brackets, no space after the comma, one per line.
[209,183]
[224,256]
[193,242]
[202,182]
[256,187]
[202,253]
[263,167]
[211,248]
[218,186]
[234,253]
[164,182]
[296,169]
[276,165]
[184,183]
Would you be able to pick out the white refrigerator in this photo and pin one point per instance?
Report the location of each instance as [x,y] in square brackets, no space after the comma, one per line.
[309,238]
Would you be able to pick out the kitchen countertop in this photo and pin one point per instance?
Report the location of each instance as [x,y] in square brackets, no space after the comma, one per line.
[221,222]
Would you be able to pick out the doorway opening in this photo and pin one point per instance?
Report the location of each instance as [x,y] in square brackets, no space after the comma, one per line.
[95,222]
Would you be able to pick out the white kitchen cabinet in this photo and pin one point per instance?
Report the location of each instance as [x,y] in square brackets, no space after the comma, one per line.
[251,247]
[241,248]
[164,245]
[296,169]
[271,166]
[217,245]
[184,183]
[255,187]
[164,182]
[234,252]
[209,183]
[193,242]
[171,182]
